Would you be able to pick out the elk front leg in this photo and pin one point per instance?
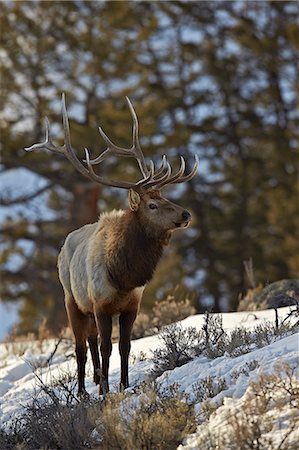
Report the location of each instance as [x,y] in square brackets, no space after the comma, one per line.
[94,350]
[104,324]
[126,321]
[81,351]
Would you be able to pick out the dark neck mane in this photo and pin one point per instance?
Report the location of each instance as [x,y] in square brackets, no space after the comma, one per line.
[134,253]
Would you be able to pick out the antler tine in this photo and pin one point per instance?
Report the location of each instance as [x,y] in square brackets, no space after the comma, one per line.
[155,182]
[120,184]
[47,144]
[120,151]
[135,151]
[191,174]
[111,149]
[136,144]
[144,183]
[67,148]
[175,176]
[162,168]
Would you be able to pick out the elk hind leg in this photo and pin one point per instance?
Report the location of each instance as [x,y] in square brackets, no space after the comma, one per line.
[79,325]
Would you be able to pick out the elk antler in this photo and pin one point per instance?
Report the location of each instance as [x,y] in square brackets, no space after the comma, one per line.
[135,151]
[150,176]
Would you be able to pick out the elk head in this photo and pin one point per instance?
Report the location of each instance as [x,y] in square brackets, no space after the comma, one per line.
[145,199]
[156,213]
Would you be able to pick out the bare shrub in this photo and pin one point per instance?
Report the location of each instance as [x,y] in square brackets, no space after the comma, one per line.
[179,346]
[155,421]
[18,342]
[245,369]
[242,341]
[264,333]
[239,342]
[18,345]
[39,345]
[253,424]
[63,388]
[208,387]
[139,357]
[215,338]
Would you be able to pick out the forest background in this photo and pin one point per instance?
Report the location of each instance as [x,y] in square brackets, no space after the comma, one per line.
[217,79]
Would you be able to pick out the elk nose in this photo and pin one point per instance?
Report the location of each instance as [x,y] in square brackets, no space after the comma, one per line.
[186,216]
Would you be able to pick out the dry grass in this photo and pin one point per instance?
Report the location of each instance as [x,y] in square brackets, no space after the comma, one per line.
[164,312]
[153,421]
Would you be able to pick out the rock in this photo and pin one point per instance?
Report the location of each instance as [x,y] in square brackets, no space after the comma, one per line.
[274,295]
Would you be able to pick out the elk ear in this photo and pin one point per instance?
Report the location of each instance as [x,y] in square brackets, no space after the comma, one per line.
[134,200]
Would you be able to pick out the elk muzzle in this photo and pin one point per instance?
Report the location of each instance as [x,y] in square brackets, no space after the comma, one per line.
[186,219]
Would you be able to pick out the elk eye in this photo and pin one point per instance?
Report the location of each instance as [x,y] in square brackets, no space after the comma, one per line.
[152,206]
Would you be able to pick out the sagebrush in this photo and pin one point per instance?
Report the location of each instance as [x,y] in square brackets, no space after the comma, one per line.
[266,417]
[180,345]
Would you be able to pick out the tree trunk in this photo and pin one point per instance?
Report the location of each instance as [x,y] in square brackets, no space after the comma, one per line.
[84,208]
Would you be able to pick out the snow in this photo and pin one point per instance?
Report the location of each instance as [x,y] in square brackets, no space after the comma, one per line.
[285,350]
[9,317]
[18,384]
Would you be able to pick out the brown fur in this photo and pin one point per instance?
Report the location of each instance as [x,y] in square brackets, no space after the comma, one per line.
[121,302]
[132,254]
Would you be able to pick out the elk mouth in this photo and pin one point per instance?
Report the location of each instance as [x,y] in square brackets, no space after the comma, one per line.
[181,224]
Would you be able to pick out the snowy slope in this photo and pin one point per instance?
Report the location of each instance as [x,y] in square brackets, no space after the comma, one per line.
[18,384]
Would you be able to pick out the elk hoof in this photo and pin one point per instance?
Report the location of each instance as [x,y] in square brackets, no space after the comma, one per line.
[104,388]
[83,394]
[123,386]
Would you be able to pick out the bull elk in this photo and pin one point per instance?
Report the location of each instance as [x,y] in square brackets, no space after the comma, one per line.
[104,267]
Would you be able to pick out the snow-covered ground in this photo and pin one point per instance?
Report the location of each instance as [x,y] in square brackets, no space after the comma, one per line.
[18,383]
